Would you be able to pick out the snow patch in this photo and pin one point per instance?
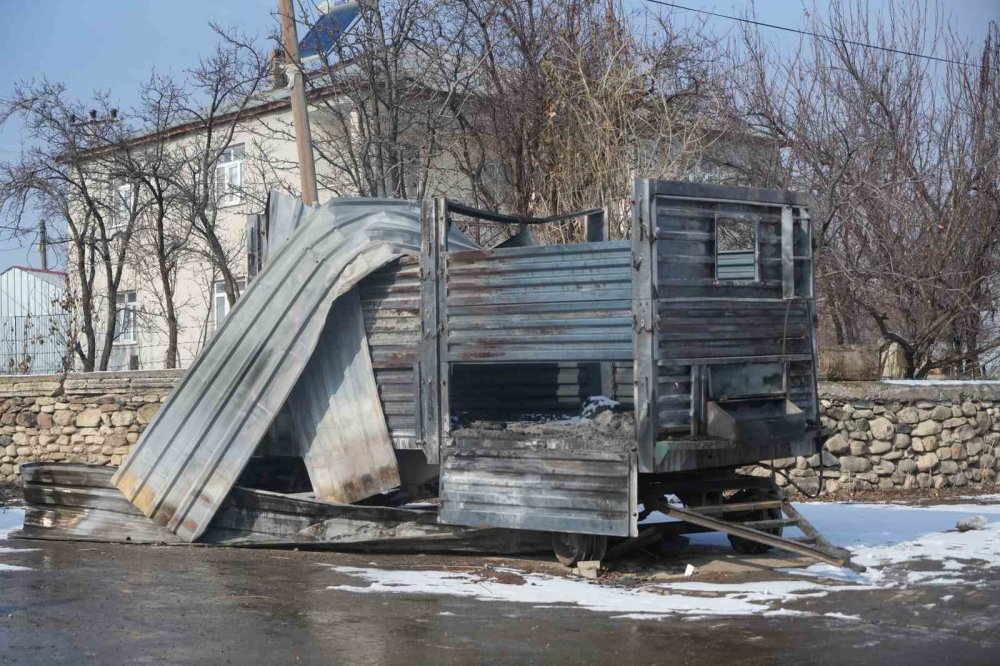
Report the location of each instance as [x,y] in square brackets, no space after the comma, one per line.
[649,602]
[842,616]
[900,545]
[891,539]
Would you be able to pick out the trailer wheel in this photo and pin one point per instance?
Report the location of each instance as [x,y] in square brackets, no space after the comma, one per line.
[573,548]
[745,546]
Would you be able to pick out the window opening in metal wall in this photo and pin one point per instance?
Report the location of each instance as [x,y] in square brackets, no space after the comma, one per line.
[736,249]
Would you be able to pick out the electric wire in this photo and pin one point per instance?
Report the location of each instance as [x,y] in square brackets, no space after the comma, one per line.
[817,35]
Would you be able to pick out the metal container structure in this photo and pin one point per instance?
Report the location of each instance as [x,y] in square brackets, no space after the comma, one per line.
[405,355]
[707,312]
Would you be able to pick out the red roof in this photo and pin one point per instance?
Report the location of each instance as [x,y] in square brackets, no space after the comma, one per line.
[39,270]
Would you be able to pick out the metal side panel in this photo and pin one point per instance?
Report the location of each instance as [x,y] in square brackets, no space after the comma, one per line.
[191,454]
[522,486]
[78,502]
[337,416]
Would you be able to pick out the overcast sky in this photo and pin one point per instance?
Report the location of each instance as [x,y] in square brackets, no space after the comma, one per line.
[115,45]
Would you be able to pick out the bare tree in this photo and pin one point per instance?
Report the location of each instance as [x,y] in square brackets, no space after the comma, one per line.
[900,155]
[575,98]
[214,103]
[162,239]
[63,173]
[380,99]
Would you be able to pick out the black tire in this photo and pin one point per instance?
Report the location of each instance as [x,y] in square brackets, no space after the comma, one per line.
[573,548]
[745,546]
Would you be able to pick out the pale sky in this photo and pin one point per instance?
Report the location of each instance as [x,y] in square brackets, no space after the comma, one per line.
[115,45]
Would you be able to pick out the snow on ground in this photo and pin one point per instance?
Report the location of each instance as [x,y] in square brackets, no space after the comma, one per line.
[901,546]
[544,591]
[904,545]
[11,519]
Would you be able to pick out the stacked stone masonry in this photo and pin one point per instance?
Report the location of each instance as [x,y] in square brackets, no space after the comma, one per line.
[900,437]
[92,417]
[874,435]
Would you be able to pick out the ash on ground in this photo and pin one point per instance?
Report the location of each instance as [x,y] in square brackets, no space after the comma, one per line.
[600,418]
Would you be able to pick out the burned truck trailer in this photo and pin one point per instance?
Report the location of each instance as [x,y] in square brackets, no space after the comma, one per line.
[700,327]
[696,337]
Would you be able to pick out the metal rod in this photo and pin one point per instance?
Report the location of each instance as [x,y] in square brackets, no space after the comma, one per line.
[489,216]
[300,113]
[739,507]
[757,536]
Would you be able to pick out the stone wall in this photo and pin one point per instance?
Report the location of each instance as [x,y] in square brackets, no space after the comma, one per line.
[875,435]
[87,417]
[901,436]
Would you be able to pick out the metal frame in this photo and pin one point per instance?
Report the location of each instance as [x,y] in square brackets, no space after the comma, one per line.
[645,322]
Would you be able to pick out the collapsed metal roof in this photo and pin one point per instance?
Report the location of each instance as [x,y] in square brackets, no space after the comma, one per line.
[191,454]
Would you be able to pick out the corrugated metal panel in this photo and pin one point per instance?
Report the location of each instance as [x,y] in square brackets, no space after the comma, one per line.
[720,329]
[337,416]
[79,502]
[72,501]
[191,454]
[552,303]
[390,302]
[623,384]
[503,482]
[674,398]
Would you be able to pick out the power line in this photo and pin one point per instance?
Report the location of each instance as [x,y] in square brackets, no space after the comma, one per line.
[819,36]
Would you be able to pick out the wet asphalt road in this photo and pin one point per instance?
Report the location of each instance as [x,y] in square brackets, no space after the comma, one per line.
[99,603]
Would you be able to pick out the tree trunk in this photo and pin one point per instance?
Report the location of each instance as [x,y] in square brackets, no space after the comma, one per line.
[86,310]
[109,331]
[170,361]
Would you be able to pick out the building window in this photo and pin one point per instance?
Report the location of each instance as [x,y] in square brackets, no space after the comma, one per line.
[125,320]
[122,213]
[220,304]
[229,177]
[735,249]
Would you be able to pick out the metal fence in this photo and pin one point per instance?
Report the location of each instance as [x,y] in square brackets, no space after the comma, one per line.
[33,324]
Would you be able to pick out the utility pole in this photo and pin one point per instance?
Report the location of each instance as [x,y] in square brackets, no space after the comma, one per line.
[300,114]
[43,245]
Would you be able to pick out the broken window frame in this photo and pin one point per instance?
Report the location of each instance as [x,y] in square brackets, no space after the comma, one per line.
[755,226]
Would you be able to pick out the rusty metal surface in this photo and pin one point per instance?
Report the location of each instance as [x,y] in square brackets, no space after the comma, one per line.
[336,414]
[78,502]
[542,483]
[549,303]
[190,455]
[705,324]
